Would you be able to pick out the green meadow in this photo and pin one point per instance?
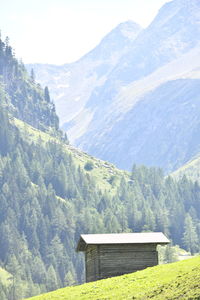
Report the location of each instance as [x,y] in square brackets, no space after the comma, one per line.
[180,280]
[5,277]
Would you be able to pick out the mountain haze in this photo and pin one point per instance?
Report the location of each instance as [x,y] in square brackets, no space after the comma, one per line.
[160,63]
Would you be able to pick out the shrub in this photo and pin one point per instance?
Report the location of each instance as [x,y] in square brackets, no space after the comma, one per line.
[89,166]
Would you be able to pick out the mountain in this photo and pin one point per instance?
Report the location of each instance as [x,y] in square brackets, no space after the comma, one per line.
[144,119]
[161,129]
[137,114]
[173,281]
[71,85]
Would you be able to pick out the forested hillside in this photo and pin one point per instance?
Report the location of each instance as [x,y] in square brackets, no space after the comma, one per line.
[50,193]
[24,98]
[47,201]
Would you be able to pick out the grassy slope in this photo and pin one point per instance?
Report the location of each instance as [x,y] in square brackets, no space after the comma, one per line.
[191,169]
[5,277]
[102,171]
[179,280]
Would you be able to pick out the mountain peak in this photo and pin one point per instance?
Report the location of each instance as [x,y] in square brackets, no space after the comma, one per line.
[116,40]
[129,29]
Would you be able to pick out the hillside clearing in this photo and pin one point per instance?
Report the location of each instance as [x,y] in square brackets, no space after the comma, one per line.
[107,174]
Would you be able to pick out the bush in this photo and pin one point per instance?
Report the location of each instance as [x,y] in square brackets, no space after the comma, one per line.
[89,166]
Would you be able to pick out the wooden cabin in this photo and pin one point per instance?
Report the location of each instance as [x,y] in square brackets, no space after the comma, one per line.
[108,255]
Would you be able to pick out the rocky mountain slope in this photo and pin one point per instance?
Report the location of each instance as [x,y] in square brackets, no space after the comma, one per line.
[145,110]
[71,85]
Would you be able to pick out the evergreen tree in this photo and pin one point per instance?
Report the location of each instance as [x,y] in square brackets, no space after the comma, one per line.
[46,94]
[190,238]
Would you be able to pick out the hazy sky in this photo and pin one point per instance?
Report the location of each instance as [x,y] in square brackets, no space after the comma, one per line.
[61,31]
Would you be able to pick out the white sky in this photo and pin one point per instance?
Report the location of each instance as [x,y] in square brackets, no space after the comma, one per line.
[61,31]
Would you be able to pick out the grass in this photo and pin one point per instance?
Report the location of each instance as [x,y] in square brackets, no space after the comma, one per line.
[180,280]
[5,277]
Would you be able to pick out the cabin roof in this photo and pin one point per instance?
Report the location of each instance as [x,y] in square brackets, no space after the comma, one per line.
[121,238]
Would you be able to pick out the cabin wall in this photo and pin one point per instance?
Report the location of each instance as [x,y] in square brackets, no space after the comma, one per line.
[92,261]
[103,261]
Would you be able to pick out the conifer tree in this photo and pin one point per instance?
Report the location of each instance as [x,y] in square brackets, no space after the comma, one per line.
[46,94]
[190,238]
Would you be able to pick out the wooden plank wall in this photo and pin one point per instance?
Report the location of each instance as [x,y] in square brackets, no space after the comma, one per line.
[103,261]
[92,263]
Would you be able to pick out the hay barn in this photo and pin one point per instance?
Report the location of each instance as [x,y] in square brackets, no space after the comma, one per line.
[108,255]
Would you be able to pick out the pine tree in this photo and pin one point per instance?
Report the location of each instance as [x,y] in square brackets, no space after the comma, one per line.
[46,94]
[190,238]
[32,75]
